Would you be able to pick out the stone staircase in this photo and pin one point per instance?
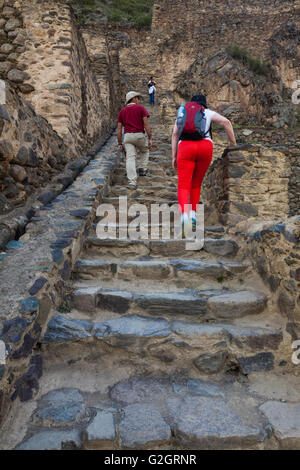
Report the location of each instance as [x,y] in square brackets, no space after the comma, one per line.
[159,347]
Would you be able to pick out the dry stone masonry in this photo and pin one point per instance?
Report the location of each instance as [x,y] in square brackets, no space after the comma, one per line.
[13,36]
[120,343]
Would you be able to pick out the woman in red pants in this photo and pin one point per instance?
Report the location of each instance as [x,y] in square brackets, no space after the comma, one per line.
[192,156]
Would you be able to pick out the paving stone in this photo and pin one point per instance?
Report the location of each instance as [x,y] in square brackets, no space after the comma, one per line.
[140,389]
[116,301]
[211,363]
[27,385]
[61,243]
[134,325]
[85,298]
[209,423]
[62,329]
[29,305]
[12,330]
[238,304]
[46,197]
[167,247]
[199,267]
[285,421]
[206,389]
[2,371]
[261,361]
[143,426]
[37,286]
[95,267]
[52,440]
[221,247]
[254,338]
[60,407]
[57,255]
[243,337]
[172,303]
[29,341]
[234,266]
[117,247]
[14,244]
[80,213]
[101,430]
[144,269]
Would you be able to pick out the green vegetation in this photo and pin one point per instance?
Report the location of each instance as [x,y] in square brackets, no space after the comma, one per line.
[256,64]
[137,13]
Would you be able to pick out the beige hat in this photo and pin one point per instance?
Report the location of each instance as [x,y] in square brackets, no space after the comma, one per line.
[130,95]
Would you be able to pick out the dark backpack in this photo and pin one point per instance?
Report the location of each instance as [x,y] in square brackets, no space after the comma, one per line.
[191,122]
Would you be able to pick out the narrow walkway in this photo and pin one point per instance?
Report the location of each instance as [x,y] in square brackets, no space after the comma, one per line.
[162,348]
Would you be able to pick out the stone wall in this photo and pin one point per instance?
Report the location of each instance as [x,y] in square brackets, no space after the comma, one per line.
[240,94]
[248,182]
[103,52]
[31,152]
[274,249]
[12,45]
[65,114]
[191,37]
[214,25]
[35,271]
[66,91]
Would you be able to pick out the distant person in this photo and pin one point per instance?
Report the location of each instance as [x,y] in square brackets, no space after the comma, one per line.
[192,150]
[134,118]
[151,90]
[151,82]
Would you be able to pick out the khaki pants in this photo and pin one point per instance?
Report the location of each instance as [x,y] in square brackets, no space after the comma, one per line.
[135,143]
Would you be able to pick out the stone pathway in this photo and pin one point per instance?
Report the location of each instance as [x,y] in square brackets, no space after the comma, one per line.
[158,347]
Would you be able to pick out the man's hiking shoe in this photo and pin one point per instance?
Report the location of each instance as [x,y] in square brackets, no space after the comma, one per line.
[142,172]
[131,185]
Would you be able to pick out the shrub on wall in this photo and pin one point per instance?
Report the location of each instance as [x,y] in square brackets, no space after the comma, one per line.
[137,13]
[256,64]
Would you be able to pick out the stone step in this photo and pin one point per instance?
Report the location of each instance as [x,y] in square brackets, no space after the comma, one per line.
[154,167]
[204,305]
[164,248]
[205,348]
[158,413]
[133,198]
[162,269]
[140,227]
[158,175]
[143,189]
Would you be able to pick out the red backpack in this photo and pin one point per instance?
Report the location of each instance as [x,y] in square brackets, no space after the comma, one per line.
[191,122]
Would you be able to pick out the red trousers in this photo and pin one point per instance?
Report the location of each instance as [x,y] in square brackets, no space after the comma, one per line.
[193,160]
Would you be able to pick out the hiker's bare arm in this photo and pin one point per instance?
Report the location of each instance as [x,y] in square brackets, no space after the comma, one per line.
[119,135]
[224,122]
[174,145]
[148,130]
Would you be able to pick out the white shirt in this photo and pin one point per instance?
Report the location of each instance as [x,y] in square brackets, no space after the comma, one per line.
[151,89]
[208,114]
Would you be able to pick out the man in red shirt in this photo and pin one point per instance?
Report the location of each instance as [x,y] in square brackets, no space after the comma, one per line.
[134,119]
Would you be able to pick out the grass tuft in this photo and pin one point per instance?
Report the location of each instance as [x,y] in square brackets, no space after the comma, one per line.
[256,64]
